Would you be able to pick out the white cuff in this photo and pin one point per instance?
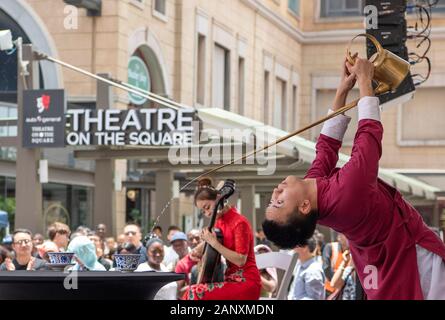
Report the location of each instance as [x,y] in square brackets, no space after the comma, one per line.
[369,108]
[336,127]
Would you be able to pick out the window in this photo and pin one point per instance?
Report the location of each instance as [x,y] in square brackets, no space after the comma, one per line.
[201,61]
[439,7]
[8,111]
[294,6]
[341,8]
[160,6]
[266,96]
[293,126]
[138,3]
[241,76]
[279,114]
[221,78]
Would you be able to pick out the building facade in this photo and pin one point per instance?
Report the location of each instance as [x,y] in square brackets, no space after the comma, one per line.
[273,61]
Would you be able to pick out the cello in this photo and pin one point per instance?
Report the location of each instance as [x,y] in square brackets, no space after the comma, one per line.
[211,259]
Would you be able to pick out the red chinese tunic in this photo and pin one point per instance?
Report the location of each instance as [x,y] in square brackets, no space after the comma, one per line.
[382,228]
[241,283]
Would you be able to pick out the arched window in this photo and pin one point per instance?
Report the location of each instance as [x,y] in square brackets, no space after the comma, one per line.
[8,62]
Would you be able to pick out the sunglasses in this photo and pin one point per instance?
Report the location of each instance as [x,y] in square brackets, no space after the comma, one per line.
[24,241]
[133,233]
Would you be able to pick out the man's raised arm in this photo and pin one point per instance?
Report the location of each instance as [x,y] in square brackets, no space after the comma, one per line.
[331,137]
[362,169]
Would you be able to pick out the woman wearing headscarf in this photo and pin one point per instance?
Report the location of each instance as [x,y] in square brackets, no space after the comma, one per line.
[155,254]
[85,255]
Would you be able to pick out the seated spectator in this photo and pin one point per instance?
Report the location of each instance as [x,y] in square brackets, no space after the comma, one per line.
[269,277]
[309,277]
[120,240]
[155,253]
[100,247]
[111,246]
[101,231]
[127,248]
[133,235]
[59,233]
[194,238]
[158,231]
[180,246]
[22,246]
[185,266]
[170,254]
[85,255]
[83,230]
[37,240]
[44,248]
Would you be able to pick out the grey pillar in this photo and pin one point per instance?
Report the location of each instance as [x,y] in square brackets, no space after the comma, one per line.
[145,208]
[164,194]
[261,211]
[104,196]
[28,190]
[248,204]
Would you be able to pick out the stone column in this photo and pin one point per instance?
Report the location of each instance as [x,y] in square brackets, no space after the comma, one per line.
[28,190]
[248,204]
[164,194]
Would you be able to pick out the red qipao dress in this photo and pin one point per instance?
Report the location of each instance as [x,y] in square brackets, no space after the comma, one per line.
[240,283]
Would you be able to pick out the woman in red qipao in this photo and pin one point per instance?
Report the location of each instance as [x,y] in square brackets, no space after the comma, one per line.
[242,279]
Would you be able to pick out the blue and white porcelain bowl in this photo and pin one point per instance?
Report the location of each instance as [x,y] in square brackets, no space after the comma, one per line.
[60,257]
[127,262]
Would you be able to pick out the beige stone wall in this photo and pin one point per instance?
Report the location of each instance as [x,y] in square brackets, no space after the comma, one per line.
[276,37]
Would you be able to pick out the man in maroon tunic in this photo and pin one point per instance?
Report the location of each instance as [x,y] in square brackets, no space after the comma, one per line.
[395,254]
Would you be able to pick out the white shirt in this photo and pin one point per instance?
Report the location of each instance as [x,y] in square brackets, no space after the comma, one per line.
[167,292]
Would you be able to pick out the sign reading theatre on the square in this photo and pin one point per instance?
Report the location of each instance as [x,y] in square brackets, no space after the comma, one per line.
[134,127]
[43,119]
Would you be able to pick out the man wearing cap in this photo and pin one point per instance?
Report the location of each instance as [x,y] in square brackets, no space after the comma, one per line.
[180,246]
[186,264]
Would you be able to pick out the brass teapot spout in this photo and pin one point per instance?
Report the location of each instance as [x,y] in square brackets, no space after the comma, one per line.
[390,69]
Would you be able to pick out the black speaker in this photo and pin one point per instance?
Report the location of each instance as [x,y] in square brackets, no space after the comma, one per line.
[388,6]
[390,36]
[391,32]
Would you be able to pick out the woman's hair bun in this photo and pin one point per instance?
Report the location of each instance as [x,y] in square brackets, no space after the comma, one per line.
[205,182]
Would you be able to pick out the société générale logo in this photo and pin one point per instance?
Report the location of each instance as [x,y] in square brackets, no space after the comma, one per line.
[43,103]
